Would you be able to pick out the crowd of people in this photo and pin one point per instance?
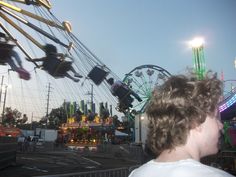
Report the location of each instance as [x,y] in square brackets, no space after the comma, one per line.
[26,144]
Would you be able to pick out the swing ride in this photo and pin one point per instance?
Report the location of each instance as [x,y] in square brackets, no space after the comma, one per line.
[52,52]
[55,44]
[51,40]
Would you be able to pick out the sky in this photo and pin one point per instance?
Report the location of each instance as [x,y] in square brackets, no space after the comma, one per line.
[126,34]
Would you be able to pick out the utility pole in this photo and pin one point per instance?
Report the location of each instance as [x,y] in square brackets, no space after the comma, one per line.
[48,96]
[32,120]
[1,97]
[4,102]
[91,97]
[1,90]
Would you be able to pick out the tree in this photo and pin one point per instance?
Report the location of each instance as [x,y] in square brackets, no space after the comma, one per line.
[14,118]
[56,117]
[11,117]
[30,126]
[23,120]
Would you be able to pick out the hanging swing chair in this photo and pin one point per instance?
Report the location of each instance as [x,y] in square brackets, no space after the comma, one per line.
[54,63]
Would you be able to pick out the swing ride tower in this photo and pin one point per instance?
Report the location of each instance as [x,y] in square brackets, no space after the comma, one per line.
[198,57]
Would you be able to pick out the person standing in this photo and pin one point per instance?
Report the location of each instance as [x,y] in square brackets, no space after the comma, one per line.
[184,126]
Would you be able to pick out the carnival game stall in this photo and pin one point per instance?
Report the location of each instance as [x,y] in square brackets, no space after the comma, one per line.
[9,131]
[84,133]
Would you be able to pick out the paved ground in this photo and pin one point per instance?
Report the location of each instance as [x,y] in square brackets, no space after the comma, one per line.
[59,162]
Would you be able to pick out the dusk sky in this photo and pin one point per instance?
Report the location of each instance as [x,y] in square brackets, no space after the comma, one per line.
[125,34]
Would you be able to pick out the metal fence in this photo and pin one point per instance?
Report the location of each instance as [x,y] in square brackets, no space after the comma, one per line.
[113,151]
[122,151]
[8,146]
[117,172]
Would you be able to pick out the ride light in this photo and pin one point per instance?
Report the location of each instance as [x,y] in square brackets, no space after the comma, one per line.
[229,103]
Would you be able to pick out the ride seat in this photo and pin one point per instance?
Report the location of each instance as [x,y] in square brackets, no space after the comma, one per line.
[97,75]
[56,67]
[62,68]
[121,92]
[125,100]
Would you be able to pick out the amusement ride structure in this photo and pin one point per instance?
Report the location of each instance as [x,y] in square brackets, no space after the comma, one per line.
[50,53]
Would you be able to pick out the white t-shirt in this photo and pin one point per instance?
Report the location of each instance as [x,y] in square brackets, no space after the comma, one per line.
[182,168]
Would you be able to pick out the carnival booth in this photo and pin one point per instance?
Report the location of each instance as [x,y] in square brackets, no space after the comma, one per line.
[9,131]
[85,132]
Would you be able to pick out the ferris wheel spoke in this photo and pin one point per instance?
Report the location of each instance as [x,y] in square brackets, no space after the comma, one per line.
[139,84]
[142,81]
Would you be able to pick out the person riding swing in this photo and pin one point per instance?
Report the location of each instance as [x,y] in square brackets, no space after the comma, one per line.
[123,92]
[9,56]
[54,63]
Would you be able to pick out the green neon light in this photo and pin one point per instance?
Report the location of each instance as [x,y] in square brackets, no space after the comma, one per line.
[199,62]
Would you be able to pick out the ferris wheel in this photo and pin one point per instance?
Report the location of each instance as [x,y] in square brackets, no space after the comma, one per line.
[142,81]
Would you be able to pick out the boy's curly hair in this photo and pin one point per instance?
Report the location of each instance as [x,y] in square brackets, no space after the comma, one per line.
[180,104]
